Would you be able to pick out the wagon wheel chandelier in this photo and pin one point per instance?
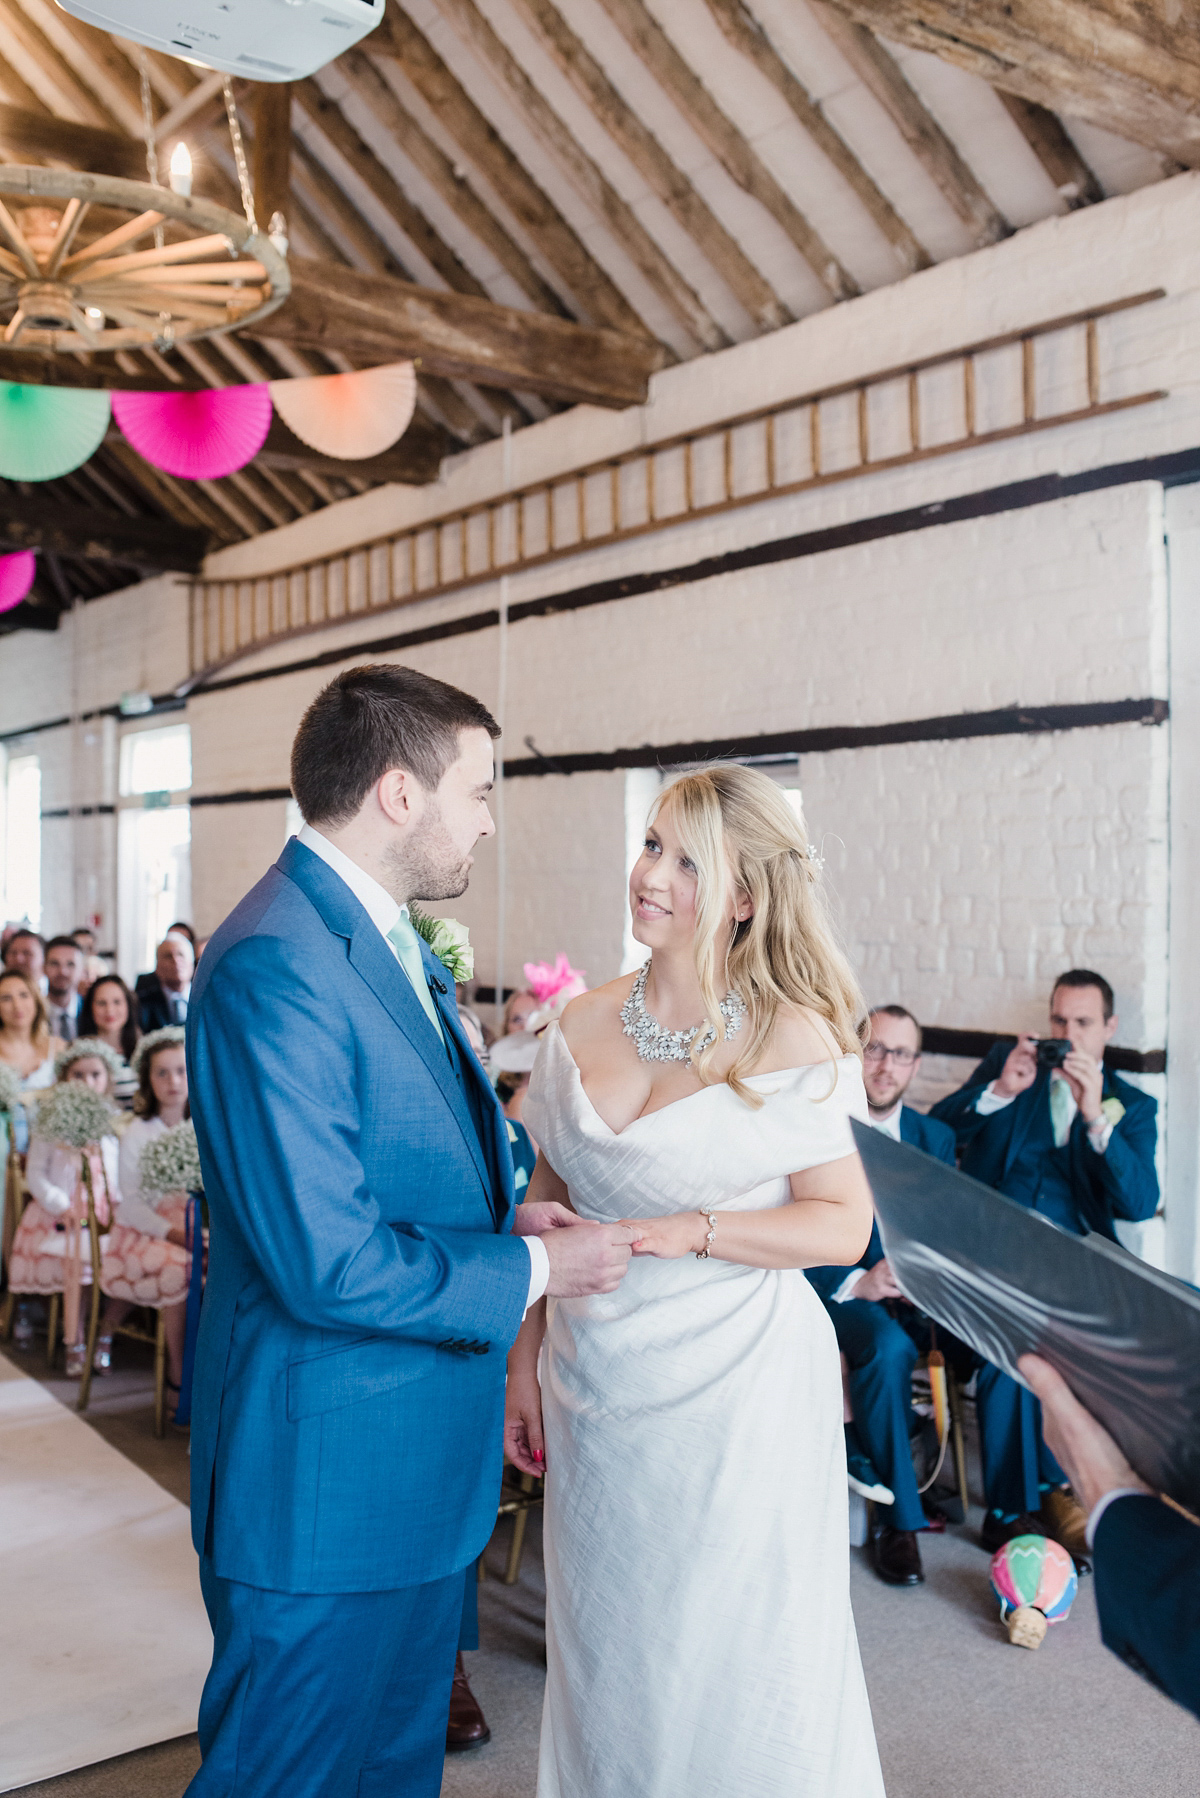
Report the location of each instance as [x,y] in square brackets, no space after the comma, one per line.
[177,268]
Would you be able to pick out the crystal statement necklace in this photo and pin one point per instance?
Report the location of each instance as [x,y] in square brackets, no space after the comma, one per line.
[653,1043]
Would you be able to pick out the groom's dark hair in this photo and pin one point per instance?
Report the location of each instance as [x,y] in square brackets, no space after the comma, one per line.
[371,719]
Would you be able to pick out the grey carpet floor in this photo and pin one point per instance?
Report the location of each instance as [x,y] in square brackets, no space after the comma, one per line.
[958,1712]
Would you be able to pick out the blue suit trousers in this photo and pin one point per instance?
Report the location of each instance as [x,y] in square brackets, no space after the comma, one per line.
[881,1356]
[1016,1462]
[339,1695]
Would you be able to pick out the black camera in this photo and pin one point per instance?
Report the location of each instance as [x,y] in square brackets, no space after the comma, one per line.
[1052,1051]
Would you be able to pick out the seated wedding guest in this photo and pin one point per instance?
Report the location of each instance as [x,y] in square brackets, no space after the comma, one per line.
[163,996]
[25,952]
[146,1258]
[85,937]
[880,1352]
[1076,1144]
[1146,1553]
[518,1011]
[473,1029]
[511,1062]
[26,1043]
[50,1251]
[64,971]
[109,1012]
[179,928]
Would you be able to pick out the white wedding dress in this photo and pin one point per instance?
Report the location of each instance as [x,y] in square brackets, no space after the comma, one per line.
[699,1636]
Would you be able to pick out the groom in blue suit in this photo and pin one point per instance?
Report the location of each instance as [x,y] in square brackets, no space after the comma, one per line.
[364,1280]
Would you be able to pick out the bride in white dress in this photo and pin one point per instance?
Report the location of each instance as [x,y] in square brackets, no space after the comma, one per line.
[700,1642]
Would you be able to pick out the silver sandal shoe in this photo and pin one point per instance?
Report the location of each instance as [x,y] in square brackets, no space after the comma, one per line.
[102,1359]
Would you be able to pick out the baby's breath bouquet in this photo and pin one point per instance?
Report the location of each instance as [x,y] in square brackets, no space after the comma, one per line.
[171,1162]
[450,942]
[74,1115]
[10,1087]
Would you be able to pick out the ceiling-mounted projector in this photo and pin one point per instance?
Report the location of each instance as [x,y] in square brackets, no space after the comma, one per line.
[262,40]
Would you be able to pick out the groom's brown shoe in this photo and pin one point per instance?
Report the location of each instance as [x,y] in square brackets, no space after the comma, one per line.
[467,1725]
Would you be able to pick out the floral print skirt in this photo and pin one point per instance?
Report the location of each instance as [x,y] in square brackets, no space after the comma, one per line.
[147,1270]
[41,1249]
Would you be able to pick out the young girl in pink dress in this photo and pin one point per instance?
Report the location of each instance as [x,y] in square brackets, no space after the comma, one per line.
[146,1259]
[50,1251]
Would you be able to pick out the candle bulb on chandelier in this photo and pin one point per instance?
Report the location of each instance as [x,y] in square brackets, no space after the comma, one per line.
[181,169]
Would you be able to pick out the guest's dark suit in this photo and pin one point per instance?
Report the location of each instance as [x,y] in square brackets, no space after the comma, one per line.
[881,1353]
[1077,1189]
[1147,1561]
[156,1007]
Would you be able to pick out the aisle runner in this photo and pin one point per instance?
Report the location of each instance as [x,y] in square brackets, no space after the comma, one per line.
[104,1643]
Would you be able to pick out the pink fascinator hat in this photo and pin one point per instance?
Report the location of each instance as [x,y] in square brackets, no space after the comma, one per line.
[553,988]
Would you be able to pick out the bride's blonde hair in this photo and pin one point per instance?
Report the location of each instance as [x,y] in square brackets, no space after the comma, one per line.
[734,821]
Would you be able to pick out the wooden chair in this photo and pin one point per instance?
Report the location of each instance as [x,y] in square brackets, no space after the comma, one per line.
[134,1331]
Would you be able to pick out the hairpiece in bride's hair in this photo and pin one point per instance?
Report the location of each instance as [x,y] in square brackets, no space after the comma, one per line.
[816,860]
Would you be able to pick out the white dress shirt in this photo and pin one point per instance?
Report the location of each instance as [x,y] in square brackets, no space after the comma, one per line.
[384,912]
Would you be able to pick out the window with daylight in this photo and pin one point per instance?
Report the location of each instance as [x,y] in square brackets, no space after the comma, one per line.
[154,841]
[157,761]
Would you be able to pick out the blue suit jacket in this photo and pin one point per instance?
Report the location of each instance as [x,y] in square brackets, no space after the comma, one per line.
[1147,1561]
[1121,1183]
[363,1286]
[923,1133]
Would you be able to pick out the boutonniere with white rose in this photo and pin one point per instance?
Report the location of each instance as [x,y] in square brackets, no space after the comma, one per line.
[449,940]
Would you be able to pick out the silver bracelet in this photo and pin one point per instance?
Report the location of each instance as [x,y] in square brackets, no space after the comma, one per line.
[702,1254]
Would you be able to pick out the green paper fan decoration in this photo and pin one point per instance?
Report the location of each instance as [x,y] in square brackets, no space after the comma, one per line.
[47,431]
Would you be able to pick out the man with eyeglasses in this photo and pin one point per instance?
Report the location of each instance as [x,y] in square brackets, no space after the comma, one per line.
[879,1350]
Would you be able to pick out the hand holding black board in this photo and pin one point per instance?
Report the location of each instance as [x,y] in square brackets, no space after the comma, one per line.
[1125,1337]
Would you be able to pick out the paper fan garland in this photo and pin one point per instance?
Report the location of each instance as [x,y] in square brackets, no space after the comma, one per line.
[197,436]
[45,432]
[16,577]
[349,416]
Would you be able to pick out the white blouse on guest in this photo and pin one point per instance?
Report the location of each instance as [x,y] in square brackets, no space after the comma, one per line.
[52,1173]
[138,1209]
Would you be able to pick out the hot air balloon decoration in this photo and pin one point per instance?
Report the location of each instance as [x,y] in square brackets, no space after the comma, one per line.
[1035,1581]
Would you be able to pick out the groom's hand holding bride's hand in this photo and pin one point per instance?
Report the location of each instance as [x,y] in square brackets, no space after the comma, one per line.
[535,1220]
[586,1257]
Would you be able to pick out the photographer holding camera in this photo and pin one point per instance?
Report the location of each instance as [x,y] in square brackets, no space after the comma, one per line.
[1045,1123]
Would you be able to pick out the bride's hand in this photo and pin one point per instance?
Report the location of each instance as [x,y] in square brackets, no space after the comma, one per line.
[668,1238]
[524,1444]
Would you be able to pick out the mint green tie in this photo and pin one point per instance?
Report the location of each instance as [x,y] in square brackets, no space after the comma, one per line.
[407,944]
[1060,1111]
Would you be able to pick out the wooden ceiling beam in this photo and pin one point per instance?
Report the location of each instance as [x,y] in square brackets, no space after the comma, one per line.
[655,266]
[1130,68]
[593,290]
[415,460]
[99,51]
[337,130]
[380,319]
[40,137]
[937,153]
[272,181]
[152,545]
[746,35]
[76,98]
[1047,137]
[180,500]
[647,37]
[450,183]
[672,186]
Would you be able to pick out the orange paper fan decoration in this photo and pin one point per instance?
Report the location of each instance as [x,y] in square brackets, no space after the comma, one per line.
[349,416]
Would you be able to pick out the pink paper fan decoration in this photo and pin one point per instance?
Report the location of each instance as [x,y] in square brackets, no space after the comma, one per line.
[349,416]
[198,436]
[16,577]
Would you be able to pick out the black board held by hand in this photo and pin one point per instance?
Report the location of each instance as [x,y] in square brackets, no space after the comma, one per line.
[1125,1337]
